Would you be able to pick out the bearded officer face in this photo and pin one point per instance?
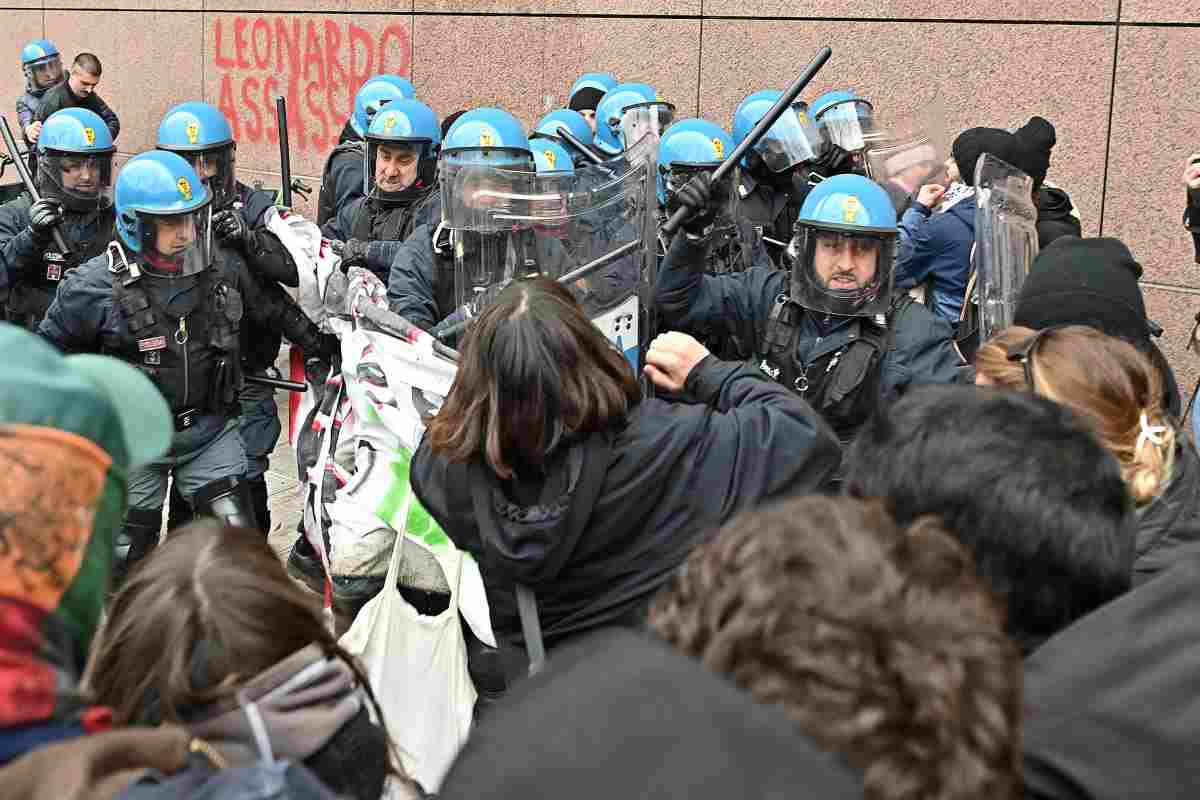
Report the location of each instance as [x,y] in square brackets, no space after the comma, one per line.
[845,262]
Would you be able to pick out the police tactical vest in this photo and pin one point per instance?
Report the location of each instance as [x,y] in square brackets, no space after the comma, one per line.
[189,346]
[375,222]
[326,199]
[844,385]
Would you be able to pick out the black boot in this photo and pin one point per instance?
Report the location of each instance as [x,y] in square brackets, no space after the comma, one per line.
[227,499]
[304,564]
[137,538]
[258,501]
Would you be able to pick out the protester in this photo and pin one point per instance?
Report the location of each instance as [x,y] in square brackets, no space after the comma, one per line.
[935,248]
[1110,710]
[70,430]
[1094,282]
[1017,479]
[879,642]
[1056,215]
[549,466]
[621,715]
[251,666]
[1117,391]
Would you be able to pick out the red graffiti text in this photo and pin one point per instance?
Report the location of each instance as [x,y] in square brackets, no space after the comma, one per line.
[317,65]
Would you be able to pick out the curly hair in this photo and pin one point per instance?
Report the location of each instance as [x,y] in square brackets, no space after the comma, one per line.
[1108,383]
[880,643]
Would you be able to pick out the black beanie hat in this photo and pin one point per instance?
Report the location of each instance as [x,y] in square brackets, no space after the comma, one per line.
[1037,138]
[1091,282]
[585,99]
[974,142]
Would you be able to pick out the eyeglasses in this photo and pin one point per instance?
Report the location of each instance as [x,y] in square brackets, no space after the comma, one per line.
[1025,352]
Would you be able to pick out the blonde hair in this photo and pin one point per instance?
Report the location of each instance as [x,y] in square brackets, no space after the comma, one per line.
[1105,381]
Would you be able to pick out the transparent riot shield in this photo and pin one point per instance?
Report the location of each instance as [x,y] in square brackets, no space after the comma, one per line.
[1006,240]
[593,230]
[908,153]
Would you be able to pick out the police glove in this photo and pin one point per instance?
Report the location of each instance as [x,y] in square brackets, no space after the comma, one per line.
[832,161]
[230,228]
[698,196]
[45,215]
[353,253]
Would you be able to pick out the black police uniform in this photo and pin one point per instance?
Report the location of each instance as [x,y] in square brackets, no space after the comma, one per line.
[34,267]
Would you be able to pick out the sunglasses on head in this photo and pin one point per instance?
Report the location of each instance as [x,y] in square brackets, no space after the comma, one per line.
[1025,351]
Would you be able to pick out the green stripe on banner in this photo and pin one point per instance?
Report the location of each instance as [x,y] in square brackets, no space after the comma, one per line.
[419,524]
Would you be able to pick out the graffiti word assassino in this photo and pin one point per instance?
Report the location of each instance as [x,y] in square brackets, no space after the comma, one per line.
[317,64]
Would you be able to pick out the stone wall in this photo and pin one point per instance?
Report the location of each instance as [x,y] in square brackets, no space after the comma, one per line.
[1116,77]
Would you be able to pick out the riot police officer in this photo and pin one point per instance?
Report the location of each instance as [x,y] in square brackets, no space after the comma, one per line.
[421,278]
[200,134]
[773,179]
[42,66]
[342,175]
[586,92]
[626,113]
[687,148]
[829,328]
[844,123]
[400,165]
[575,123]
[157,300]
[74,178]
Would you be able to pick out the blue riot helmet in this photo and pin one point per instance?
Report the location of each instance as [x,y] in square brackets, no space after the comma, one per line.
[843,250]
[163,213]
[573,121]
[400,160]
[371,95]
[844,119]
[200,133]
[688,147]
[786,144]
[488,136]
[42,64]
[551,158]
[627,112]
[74,163]
[407,90]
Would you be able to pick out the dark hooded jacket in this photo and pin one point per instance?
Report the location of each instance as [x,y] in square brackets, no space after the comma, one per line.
[1111,708]
[1056,216]
[617,512]
[622,715]
[1169,526]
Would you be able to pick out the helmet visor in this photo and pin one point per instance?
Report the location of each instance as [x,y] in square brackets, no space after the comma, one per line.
[44,72]
[645,119]
[217,168]
[848,124]
[787,143]
[83,182]
[842,273]
[177,245]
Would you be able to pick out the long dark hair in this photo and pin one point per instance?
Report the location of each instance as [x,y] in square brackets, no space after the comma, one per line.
[534,371]
[210,609]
